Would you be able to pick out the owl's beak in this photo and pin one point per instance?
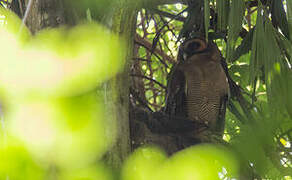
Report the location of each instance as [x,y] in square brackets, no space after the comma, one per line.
[185,56]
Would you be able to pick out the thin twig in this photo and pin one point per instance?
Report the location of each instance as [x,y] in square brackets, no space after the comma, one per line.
[139,99]
[142,59]
[166,24]
[139,40]
[150,79]
[25,15]
[168,15]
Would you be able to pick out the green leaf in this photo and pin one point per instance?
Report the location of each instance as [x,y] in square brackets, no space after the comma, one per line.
[222,11]
[265,52]
[289,15]
[235,24]
[279,18]
[235,109]
[284,44]
[281,89]
[244,47]
[239,74]
[257,53]
[253,144]
[272,52]
[99,9]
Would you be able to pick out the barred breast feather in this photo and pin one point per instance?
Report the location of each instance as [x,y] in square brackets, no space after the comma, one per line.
[203,101]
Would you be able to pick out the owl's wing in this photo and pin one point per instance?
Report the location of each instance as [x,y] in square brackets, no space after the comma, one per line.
[175,95]
[223,101]
[173,118]
[220,123]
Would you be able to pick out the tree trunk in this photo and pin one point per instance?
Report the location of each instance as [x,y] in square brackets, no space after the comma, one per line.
[124,23]
[40,14]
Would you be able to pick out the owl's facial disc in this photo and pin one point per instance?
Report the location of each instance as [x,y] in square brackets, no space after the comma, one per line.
[193,47]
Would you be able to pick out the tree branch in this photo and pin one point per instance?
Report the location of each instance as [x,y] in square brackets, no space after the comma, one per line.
[169,15]
[139,40]
[139,99]
[150,79]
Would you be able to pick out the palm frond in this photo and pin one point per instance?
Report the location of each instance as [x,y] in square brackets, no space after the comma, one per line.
[222,11]
[289,15]
[257,47]
[235,25]
[279,19]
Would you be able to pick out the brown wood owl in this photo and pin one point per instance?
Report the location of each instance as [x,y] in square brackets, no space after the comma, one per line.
[198,87]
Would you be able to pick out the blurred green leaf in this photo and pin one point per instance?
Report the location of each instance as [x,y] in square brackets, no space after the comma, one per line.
[14,27]
[200,162]
[143,164]
[68,131]
[61,62]
[17,163]
[97,172]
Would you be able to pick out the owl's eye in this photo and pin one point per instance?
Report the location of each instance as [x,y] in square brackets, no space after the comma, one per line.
[193,46]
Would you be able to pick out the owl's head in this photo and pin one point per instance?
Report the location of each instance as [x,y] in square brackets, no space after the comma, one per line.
[197,46]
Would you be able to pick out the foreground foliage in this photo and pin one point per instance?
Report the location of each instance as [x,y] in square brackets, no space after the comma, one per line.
[56,124]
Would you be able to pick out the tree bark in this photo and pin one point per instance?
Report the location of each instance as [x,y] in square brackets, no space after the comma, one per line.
[40,14]
[124,23]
